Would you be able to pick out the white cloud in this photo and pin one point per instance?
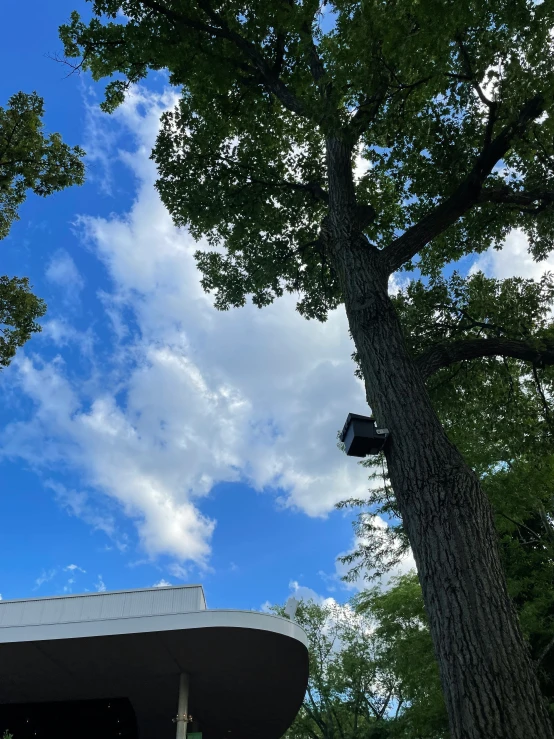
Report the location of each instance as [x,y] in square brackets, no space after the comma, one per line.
[161,584]
[46,576]
[178,571]
[99,585]
[301,592]
[74,568]
[62,272]
[79,504]
[513,260]
[60,333]
[247,395]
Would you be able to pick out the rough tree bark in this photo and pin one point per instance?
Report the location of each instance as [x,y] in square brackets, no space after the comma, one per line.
[490,687]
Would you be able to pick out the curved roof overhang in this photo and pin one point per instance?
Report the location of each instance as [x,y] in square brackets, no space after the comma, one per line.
[248,671]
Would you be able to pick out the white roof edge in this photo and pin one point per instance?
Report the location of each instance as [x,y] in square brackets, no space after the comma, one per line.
[103,593]
[145,624]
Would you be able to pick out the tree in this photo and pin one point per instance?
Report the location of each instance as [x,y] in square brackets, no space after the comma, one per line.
[351,692]
[29,160]
[450,105]
[19,309]
[373,674]
[498,415]
[405,648]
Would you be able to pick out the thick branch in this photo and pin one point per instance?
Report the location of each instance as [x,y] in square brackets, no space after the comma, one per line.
[317,67]
[277,67]
[465,196]
[443,355]
[544,652]
[366,113]
[369,109]
[312,188]
[524,201]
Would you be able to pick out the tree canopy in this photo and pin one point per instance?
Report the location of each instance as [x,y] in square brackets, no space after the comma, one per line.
[431,107]
[19,310]
[373,674]
[405,647]
[29,161]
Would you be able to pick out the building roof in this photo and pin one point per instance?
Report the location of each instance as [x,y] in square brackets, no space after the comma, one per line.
[248,671]
[94,607]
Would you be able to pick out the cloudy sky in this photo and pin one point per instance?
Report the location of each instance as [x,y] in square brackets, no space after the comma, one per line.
[144,437]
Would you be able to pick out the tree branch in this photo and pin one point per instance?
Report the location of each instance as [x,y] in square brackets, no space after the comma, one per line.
[183,20]
[365,114]
[544,652]
[314,712]
[471,75]
[443,355]
[277,67]
[536,537]
[219,27]
[465,196]
[522,200]
[313,188]
[272,82]
[317,67]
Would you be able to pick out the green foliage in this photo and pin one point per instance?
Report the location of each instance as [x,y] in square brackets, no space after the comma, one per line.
[241,159]
[348,694]
[493,408]
[363,675]
[19,309]
[378,548]
[407,650]
[29,160]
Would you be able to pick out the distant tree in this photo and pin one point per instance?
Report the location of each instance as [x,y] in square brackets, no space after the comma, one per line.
[19,310]
[351,693]
[373,674]
[406,651]
[29,161]
[451,106]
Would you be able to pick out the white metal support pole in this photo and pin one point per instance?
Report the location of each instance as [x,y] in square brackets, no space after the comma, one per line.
[183,706]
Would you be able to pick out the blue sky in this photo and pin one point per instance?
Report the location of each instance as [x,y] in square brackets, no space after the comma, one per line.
[145,437]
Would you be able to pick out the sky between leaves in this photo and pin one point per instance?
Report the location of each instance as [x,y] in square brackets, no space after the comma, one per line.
[144,437]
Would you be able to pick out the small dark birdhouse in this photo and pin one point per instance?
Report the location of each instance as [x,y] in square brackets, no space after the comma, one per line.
[361,436]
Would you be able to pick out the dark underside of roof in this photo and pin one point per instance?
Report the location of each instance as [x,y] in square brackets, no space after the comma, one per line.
[245,683]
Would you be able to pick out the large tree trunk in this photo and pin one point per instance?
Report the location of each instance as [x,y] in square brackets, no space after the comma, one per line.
[490,687]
